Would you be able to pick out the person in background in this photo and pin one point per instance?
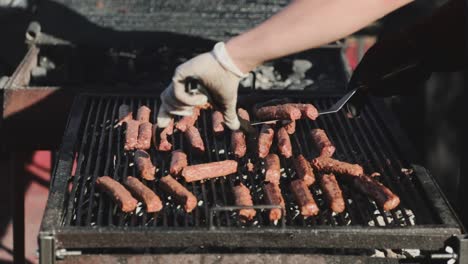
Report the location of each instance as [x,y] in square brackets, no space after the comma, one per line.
[435,44]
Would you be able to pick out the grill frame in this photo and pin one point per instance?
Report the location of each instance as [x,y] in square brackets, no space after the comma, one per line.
[428,237]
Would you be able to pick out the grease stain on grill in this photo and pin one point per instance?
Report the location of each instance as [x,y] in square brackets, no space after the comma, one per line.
[100,153]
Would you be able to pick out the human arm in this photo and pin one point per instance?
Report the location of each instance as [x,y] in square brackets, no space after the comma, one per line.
[304,24]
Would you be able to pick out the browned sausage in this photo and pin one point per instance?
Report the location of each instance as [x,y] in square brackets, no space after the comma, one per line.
[265,139]
[329,165]
[144,165]
[178,162]
[284,142]
[144,136]
[194,138]
[304,198]
[217,120]
[272,168]
[183,196]
[322,143]
[117,192]
[304,170]
[290,127]
[273,197]
[188,121]
[332,192]
[285,111]
[238,144]
[243,198]
[307,110]
[131,134]
[164,144]
[383,196]
[143,114]
[124,114]
[144,194]
[209,170]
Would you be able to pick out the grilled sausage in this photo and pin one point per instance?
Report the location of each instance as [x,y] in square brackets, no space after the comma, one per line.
[143,114]
[188,121]
[383,196]
[145,167]
[144,136]
[217,120]
[193,136]
[273,197]
[304,170]
[144,194]
[272,168]
[290,127]
[124,114]
[131,134]
[322,143]
[265,139]
[284,142]
[238,144]
[329,165]
[164,144]
[288,112]
[332,192]
[243,198]
[209,170]
[304,198]
[117,192]
[307,110]
[183,196]
[178,162]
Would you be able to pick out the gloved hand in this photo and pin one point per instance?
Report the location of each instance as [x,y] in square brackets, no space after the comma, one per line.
[220,78]
[398,64]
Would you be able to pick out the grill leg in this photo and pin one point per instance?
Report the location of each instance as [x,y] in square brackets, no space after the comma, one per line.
[18,209]
[46,249]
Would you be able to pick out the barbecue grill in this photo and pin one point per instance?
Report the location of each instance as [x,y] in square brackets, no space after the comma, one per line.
[81,224]
[80,219]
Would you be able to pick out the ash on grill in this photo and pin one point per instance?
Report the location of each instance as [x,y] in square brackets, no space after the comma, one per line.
[290,76]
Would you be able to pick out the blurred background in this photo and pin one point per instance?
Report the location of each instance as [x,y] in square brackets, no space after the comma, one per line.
[102,36]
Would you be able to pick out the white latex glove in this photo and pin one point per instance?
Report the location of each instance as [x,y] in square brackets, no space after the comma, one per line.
[218,75]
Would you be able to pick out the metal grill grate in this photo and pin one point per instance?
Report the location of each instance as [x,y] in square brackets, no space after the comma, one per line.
[363,141]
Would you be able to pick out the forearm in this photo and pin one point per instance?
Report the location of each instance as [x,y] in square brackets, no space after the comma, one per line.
[305,24]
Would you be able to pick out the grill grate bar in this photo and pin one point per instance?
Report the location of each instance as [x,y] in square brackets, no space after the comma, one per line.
[83,177]
[409,190]
[361,160]
[98,163]
[373,164]
[81,159]
[362,141]
[109,155]
[342,148]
